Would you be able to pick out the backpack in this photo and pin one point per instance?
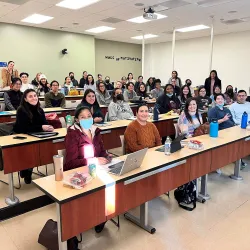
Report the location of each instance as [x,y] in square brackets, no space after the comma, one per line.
[185,195]
[49,237]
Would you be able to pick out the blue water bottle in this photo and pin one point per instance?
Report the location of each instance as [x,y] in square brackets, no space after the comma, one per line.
[214,128]
[244,120]
[156,113]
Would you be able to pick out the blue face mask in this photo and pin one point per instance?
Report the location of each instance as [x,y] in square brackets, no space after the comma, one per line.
[170,95]
[86,123]
[220,106]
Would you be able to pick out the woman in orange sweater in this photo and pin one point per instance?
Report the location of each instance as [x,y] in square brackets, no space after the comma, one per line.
[141,134]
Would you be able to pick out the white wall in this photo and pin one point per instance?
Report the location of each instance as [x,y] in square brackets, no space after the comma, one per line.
[231,59]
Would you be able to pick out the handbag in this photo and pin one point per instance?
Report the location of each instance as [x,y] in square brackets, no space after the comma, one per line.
[203,129]
[49,237]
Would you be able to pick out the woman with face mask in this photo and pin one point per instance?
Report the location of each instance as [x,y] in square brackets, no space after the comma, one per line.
[188,82]
[118,109]
[168,101]
[230,96]
[109,85]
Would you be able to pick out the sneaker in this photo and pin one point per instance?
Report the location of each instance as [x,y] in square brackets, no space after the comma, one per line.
[100,227]
[218,171]
[27,178]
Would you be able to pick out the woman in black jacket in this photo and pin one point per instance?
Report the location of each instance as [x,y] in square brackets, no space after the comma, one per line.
[30,118]
[212,81]
[142,91]
[84,79]
[89,100]
[168,101]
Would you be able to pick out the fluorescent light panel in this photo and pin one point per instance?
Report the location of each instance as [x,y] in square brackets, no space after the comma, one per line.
[140,19]
[147,36]
[37,19]
[76,4]
[193,28]
[100,29]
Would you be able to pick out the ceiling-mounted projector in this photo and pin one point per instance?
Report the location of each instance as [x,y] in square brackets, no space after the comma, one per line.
[149,14]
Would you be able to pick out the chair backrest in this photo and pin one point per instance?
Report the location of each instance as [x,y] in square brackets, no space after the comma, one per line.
[106,119]
[63,122]
[176,130]
[42,104]
[123,144]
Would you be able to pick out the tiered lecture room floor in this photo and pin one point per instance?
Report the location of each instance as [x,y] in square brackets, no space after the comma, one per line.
[221,223]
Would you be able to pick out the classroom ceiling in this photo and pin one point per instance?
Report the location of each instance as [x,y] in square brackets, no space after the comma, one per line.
[228,16]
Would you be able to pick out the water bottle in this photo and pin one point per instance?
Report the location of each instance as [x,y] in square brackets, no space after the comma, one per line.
[244,120]
[168,146]
[214,128]
[63,90]
[69,120]
[156,113]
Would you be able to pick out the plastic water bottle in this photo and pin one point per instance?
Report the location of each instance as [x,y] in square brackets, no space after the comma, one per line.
[244,120]
[168,146]
[156,113]
[214,128]
[69,120]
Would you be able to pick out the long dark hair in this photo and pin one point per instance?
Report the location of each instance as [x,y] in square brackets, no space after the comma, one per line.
[174,71]
[130,74]
[93,82]
[183,99]
[25,106]
[98,88]
[139,91]
[216,75]
[44,88]
[186,112]
[230,93]
[216,86]
[165,89]
[84,101]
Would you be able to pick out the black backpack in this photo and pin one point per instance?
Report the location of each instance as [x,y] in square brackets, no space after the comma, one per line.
[185,195]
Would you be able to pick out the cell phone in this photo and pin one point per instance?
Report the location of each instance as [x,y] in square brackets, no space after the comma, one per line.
[19,137]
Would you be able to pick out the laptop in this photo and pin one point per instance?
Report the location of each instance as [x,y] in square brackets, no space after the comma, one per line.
[132,162]
[43,134]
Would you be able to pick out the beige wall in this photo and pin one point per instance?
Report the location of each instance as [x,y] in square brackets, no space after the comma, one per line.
[117,69]
[35,50]
[230,58]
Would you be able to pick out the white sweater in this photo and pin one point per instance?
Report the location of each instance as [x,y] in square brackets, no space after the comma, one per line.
[237,111]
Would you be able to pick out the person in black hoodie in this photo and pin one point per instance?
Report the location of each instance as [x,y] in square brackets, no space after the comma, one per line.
[89,100]
[12,98]
[212,81]
[73,80]
[168,101]
[203,101]
[109,85]
[142,91]
[84,79]
[30,118]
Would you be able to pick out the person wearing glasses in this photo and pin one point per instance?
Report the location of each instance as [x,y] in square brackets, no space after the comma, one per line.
[54,98]
[102,95]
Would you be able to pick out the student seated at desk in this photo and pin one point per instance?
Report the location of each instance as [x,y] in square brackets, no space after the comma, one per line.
[54,98]
[185,94]
[118,109]
[43,86]
[12,98]
[221,113]
[25,81]
[142,92]
[84,145]
[230,96]
[168,101]
[90,84]
[120,86]
[158,90]
[129,93]
[203,100]
[216,91]
[190,119]
[89,100]
[138,83]
[30,118]
[151,83]
[140,133]
[102,95]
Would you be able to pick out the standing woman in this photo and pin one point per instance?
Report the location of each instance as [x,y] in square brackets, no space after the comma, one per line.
[8,74]
[185,94]
[90,83]
[212,81]
[130,78]
[102,95]
[177,79]
[230,96]
[190,119]
[30,118]
[43,85]
[89,100]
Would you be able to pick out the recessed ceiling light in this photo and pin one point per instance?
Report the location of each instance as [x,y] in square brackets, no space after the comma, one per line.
[76,4]
[37,19]
[140,19]
[147,36]
[100,29]
[193,28]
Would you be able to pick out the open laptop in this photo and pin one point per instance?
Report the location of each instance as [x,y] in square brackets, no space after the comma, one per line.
[132,162]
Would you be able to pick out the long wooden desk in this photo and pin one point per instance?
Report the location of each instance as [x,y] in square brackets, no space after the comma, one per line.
[108,196]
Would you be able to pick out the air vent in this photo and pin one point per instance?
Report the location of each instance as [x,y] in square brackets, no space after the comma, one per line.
[171,4]
[20,2]
[210,3]
[112,20]
[232,21]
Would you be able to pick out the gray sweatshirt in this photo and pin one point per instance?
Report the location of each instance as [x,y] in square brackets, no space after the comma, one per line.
[119,110]
[157,92]
[103,99]
[129,96]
